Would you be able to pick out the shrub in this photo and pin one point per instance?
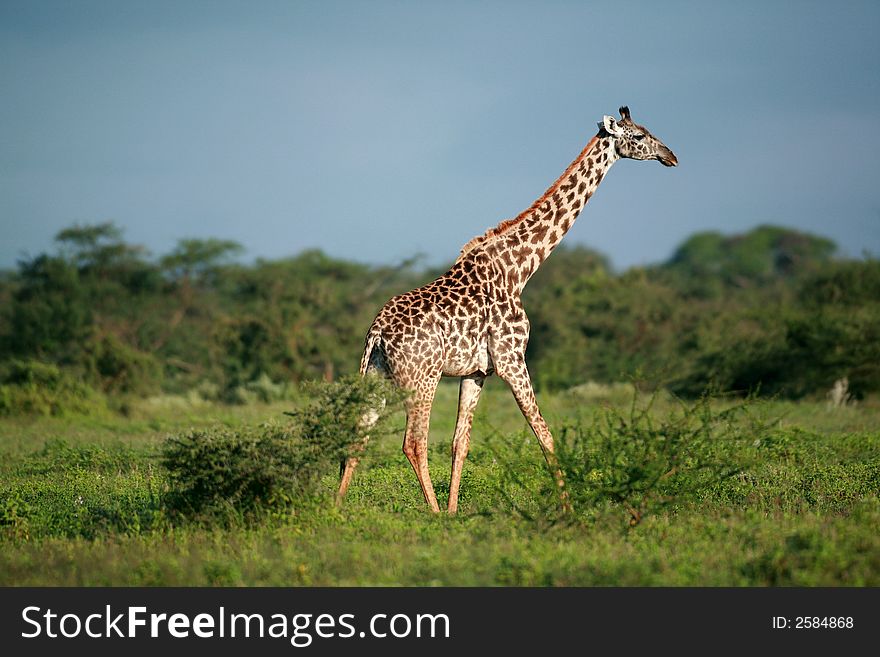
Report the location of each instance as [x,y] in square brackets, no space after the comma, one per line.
[642,463]
[337,410]
[244,469]
[272,466]
[31,387]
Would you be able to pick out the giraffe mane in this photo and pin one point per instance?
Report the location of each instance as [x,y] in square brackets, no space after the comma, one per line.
[508,224]
[495,231]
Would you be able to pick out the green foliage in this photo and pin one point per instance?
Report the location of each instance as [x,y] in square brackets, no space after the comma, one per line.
[720,496]
[32,387]
[79,491]
[767,310]
[643,462]
[92,510]
[50,312]
[119,368]
[90,239]
[198,257]
[335,416]
[300,318]
[800,349]
[838,334]
[709,262]
[847,283]
[262,389]
[58,455]
[106,263]
[216,470]
[103,311]
[603,328]
[273,466]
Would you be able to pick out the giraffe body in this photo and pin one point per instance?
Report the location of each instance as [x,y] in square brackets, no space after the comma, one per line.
[470,321]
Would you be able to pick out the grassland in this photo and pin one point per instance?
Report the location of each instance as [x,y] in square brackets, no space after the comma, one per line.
[82,502]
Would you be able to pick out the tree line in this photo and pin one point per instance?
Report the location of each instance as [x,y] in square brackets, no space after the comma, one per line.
[773,309]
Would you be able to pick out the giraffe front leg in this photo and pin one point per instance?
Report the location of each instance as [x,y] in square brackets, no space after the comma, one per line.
[468,396]
[516,375]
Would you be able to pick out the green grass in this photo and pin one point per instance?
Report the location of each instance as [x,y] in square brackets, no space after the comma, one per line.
[82,503]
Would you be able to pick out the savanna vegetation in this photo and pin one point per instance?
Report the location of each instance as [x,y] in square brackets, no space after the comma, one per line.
[179,420]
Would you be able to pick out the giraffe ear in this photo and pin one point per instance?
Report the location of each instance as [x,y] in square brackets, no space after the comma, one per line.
[610,125]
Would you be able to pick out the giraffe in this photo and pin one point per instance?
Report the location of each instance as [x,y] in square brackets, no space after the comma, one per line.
[470,322]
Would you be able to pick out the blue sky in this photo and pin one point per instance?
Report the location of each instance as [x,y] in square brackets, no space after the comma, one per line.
[378,130]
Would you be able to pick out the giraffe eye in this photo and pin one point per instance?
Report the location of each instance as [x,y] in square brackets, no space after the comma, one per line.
[638,137]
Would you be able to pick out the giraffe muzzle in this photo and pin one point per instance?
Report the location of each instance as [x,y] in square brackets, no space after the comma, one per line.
[668,159]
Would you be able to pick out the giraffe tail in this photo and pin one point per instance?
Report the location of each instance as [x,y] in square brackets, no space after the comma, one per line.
[367,360]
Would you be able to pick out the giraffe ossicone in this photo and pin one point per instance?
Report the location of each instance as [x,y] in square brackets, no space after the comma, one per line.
[470,321]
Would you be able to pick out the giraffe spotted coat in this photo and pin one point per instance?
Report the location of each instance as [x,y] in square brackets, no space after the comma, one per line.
[470,321]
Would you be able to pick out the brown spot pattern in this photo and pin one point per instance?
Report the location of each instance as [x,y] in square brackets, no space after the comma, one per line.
[470,321]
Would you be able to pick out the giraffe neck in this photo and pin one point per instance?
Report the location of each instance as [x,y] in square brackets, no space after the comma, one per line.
[531,237]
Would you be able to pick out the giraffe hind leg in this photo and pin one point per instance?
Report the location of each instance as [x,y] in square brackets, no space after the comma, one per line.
[415,441]
[376,366]
[348,465]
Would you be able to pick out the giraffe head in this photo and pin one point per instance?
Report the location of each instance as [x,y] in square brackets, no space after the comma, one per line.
[634,141]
